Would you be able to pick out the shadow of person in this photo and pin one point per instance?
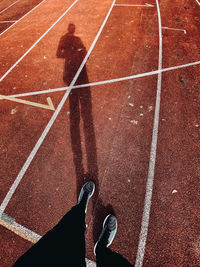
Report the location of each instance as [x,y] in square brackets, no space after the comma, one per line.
[100,213]
[72,50]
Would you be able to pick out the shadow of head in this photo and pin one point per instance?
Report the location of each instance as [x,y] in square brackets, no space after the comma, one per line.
[71,28]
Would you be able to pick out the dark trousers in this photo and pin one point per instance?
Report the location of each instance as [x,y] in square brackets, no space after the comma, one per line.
[64,245]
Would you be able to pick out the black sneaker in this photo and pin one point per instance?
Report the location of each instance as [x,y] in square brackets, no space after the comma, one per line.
[86,192]
[108,232]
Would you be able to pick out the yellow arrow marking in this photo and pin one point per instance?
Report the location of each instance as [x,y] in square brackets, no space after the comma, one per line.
[49,106]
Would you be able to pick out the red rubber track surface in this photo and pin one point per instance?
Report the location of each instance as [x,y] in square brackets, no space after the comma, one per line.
[108,135]
[11,11]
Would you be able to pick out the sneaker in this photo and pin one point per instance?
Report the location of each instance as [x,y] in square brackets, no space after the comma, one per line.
[108,232]
[85,194]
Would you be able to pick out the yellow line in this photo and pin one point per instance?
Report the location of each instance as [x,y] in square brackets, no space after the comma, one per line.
[50,103]
[17,231]
[49,106]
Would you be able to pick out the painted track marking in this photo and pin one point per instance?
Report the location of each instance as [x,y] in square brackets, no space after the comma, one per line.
[125,5]
[50,105]
[9,7]
[198,2]
[136,76]
[18,229]
[151,171]
[51,121]
[41,37]
[173,29]
[8,21]
[25,233]
[22,17]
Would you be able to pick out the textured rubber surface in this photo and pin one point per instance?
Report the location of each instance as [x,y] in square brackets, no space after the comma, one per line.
[104,131]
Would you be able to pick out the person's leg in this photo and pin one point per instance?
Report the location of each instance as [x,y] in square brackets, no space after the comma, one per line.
[64,245]
[107,258]
[104,256]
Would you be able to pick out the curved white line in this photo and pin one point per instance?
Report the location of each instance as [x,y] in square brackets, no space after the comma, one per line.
[136,76]
[151,171]
[198,2]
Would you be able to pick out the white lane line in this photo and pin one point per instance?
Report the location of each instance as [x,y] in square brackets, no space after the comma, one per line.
[41,37]
[8,7]
[10,224]
[141,75]
[8,21]
[51,121]
[151,171]
[173,29]
[146,5]
[198,2]
[22,17]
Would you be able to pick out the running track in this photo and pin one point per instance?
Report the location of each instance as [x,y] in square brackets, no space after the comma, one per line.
[139,135]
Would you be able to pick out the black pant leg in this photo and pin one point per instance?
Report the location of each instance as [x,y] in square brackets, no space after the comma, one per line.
[64,245]
[107,258]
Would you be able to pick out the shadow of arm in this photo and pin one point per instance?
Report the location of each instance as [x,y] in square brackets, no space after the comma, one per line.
[60,50]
